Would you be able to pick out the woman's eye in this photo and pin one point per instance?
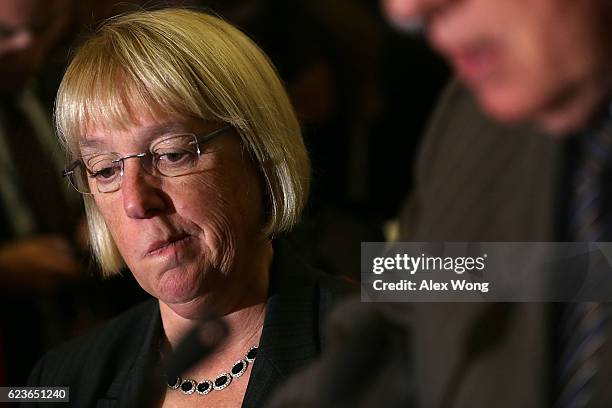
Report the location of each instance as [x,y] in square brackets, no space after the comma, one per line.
[172,157]
[105,173]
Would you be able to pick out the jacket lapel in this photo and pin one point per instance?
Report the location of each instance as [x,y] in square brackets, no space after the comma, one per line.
[290,334]
[138,384]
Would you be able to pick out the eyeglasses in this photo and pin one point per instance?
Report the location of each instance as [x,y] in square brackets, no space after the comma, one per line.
[173,156]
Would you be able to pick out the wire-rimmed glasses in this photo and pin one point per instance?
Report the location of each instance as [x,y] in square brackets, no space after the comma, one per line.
[172,156]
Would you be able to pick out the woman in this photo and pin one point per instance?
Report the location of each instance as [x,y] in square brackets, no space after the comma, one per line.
[190,160]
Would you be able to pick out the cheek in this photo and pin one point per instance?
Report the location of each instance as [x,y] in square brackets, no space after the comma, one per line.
[550,50]
[201,198]
[529,77]
[121,230]
[230,198]
[210,208]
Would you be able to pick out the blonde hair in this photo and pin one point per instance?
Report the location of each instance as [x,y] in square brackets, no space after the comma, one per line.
[186,64]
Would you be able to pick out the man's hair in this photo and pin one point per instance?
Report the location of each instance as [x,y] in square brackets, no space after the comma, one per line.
[184,64]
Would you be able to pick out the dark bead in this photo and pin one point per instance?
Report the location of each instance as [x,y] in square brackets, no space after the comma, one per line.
[173,382]
[203,386]
[252,353]
[219,382]
[237,368]
[186,386]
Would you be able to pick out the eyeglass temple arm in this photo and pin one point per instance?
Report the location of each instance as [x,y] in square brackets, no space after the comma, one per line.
[212,135]
[70,168]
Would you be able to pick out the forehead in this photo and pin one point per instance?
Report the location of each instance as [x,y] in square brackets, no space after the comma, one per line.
[17,12]
[136,134]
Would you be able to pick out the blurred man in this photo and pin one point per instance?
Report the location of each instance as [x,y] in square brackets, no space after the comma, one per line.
[508,156]
[523,154]
[520,149]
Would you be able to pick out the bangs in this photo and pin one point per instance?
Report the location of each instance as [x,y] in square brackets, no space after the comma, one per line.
[114,80]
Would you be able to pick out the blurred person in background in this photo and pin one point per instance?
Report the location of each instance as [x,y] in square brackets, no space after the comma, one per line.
[519,149]
[35,233]
[196,215]
[38,215]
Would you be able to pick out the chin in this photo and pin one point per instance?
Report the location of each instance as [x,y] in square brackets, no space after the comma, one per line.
[557,111]
[195,309]
[506,99]
[553,123]
[175,286]
[505,107]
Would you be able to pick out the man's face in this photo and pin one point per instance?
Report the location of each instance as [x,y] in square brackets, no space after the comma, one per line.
[542,60]
[28,29]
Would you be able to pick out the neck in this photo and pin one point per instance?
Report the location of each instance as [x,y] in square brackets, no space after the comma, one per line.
[244,331]
[576,110]
[244,326]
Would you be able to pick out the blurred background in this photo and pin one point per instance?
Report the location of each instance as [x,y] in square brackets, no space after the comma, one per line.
[363,93]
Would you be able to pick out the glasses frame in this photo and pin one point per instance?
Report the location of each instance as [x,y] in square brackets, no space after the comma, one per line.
[69,171]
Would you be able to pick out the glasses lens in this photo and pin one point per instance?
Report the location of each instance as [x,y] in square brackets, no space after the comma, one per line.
[176,155]
[104,173]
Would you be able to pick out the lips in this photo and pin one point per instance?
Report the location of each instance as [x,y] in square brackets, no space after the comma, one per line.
[477,62]
[159,247]
[475,56]
[475,50]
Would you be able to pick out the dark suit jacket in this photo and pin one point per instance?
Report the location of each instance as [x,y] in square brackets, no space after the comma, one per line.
[107,367]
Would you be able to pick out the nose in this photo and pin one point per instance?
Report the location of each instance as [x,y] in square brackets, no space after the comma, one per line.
[142,198]
[18,41]
[406,11]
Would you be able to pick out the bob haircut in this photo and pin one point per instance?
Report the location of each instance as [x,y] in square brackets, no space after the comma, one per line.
[184,64]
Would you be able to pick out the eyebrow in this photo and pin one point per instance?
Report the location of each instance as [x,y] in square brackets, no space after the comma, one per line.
[146,134]
[153,131]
